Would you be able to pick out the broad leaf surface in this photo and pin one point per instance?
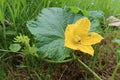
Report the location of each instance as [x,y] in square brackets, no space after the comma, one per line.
[96,14]
[48,29]
[95,26]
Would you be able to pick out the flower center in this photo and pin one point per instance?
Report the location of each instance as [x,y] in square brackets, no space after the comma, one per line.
[77,39]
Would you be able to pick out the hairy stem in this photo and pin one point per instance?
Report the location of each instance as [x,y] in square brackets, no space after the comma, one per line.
[82,63]
[64,61]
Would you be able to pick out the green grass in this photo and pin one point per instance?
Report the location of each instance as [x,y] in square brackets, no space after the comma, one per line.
[18,12]
[109,7]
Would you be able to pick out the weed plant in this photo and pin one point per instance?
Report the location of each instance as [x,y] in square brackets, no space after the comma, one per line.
[18,12]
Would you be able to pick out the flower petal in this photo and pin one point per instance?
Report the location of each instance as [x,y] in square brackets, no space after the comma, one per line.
[87,49]
[82,26]
[91,38]
[68,37]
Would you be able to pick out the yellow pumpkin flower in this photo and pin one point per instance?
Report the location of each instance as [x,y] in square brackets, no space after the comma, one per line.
[77,36]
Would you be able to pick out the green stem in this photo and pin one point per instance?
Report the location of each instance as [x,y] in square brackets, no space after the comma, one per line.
[45,2]
[7,51]
[64,61]
[98,78]
[4,36]
[115,71]
[3,50]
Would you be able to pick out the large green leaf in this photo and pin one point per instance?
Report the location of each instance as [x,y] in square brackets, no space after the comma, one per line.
[49,29]
[96,14]
[95,26]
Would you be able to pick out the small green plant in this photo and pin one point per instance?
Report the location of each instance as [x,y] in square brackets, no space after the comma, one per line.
[52,35]
[25,41]
[118,59]
[15,47]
